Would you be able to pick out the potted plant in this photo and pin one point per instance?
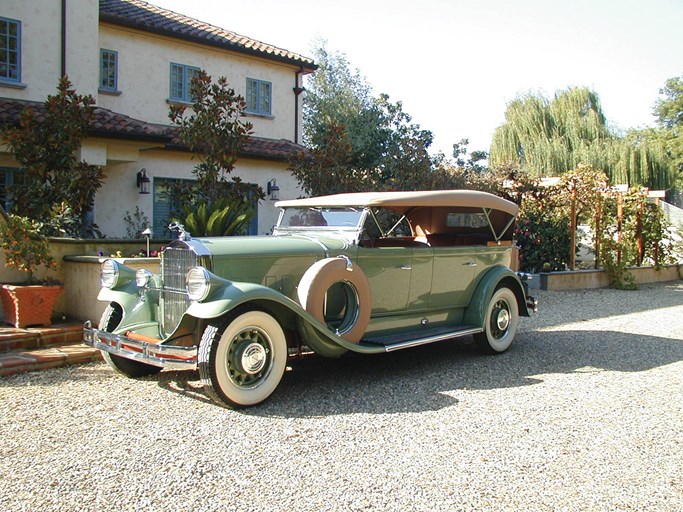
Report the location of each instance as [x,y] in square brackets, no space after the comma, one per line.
[26,250]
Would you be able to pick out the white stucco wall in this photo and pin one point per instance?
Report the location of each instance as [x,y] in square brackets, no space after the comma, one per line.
[143,82]
[41,31]
[120,193]
[144,61]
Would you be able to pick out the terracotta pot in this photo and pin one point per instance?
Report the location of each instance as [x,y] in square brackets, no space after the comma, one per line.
[29,305]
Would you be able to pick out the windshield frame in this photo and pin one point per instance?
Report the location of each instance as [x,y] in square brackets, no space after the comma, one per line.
[361,210]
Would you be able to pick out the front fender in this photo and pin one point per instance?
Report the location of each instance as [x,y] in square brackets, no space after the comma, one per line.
[316,335]
[475,314]
[139,315]
[235,294]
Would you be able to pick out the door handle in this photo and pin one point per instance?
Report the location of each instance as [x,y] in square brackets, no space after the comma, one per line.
[406,267]
[470,264]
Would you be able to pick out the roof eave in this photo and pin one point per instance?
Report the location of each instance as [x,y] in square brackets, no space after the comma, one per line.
[242,154]
[126,22]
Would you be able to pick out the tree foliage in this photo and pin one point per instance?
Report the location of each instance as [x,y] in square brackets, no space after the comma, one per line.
[669,112]
[24,247]
[549,138]
[358,141]
[46,144]
[214,130]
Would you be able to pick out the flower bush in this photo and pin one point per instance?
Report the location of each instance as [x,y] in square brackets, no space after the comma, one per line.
[25,249]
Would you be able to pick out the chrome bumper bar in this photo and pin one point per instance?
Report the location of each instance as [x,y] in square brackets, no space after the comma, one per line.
[165,356]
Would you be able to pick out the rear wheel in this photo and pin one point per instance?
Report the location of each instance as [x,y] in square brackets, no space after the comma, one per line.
[111,318]
[242,358]
[502,317]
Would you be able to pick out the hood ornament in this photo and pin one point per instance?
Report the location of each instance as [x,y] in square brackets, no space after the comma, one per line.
[182,234]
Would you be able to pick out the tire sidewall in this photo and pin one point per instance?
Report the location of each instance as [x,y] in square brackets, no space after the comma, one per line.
[222,385]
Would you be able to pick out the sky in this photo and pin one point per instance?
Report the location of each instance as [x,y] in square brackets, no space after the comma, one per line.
[456,64]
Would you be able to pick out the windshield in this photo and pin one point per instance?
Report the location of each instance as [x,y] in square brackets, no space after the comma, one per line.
[346,218]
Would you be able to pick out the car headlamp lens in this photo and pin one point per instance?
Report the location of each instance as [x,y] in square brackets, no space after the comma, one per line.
[142,277]
[109,274]
[197,283]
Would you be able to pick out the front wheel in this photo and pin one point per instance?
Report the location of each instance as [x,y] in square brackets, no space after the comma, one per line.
[242,358]
[502,317]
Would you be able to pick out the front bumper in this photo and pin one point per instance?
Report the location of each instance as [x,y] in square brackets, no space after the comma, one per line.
[164,356]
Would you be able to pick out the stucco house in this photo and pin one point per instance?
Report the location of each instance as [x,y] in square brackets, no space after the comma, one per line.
[135,59]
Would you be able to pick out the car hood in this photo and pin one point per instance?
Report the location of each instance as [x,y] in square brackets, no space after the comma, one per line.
[280,245]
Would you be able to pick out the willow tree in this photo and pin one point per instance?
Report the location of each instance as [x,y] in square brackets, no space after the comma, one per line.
[551,137]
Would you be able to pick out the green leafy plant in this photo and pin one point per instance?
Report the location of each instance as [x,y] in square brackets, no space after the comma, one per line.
[135,222]
[25,249]
[222,217]
[45,142]
[542,235]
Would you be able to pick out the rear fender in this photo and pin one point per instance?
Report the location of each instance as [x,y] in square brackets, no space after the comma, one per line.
[475,314]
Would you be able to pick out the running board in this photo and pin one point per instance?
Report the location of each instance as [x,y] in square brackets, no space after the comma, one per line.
[392,343]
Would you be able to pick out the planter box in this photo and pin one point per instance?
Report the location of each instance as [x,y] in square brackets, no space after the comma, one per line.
[28,305]
[583,279]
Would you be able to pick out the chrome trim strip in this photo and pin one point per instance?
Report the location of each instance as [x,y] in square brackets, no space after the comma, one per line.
[432,339]
[149,353]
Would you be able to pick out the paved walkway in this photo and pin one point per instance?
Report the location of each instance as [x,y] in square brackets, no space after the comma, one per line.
[39,348]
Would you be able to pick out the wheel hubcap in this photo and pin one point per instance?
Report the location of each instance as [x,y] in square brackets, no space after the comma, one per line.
[251,357]
[500,319]
[503,319]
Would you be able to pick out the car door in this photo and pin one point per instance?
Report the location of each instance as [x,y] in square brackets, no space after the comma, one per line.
[454,269]
[388,270]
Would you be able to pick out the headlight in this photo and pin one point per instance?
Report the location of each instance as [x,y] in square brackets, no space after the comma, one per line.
[197,283]
[109,275]
[142,277]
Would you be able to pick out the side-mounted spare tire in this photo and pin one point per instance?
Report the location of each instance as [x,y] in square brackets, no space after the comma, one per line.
[111,318]
[337,294]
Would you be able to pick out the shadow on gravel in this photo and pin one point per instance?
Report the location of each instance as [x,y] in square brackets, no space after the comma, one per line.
[422,379]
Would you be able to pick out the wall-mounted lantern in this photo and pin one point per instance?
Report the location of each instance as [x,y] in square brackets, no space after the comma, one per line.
[273,190]
[143,181]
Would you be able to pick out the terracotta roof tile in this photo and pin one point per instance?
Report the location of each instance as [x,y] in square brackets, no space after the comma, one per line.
[113,124]
[105,122]
[149,17]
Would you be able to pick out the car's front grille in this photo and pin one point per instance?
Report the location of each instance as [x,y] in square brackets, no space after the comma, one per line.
[175,263]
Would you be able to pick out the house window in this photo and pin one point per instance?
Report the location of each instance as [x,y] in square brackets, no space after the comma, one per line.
[259,96]
[10,178]
[109,61]
[181,81]
[10,50]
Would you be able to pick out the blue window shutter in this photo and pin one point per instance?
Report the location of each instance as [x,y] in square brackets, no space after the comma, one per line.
[108,70]
[10,50]
[252,95]
[259,96]
[181,82]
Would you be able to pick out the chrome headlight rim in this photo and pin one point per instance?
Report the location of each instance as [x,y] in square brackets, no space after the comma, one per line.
[198,283]
[109,273]
[143,278]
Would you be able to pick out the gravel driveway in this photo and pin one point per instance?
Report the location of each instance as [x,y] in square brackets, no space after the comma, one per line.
[585,412]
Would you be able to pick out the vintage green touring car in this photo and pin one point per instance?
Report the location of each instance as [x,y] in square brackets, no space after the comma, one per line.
[366,272]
